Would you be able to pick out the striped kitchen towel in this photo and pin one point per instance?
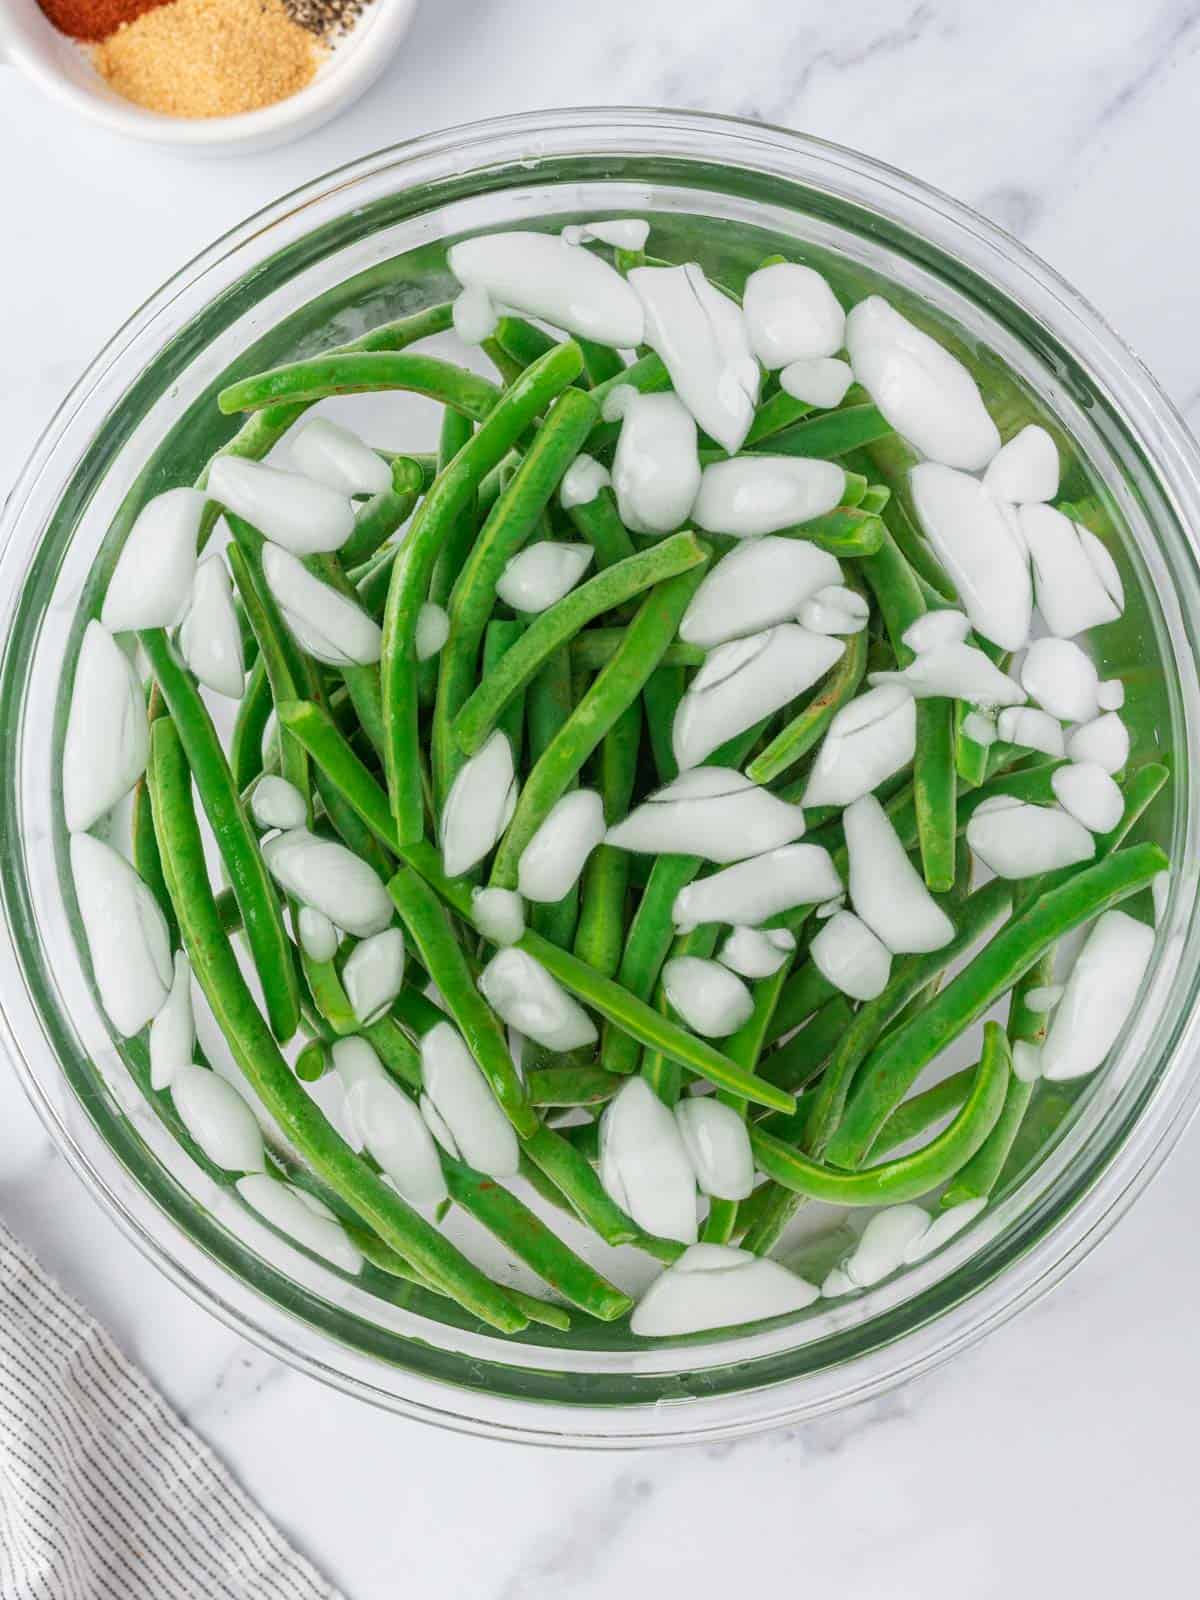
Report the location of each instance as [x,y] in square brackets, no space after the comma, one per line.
[104,1494]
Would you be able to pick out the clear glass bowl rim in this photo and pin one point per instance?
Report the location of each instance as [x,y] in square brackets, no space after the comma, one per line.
[1084,1215]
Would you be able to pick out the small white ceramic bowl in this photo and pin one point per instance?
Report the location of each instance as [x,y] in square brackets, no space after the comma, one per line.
[62,70]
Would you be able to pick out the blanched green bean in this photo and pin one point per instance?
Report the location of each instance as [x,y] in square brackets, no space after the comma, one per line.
[219,975]
[613,691]
[262,919]
[413,568]
[888,1073]
[444,960]
[906,1177]
[510,524]
[559,623]
[600,524]
[600,935]
[362,372]
[808,726]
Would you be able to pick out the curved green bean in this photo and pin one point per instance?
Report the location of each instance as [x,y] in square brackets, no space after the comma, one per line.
[362,372]
[906,1177]
[910,975]
[887,1074]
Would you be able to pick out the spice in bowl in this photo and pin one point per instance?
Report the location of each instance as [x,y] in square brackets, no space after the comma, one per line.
[205,58]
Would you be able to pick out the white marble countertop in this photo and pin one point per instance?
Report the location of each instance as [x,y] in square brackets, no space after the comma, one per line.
[1056,1458]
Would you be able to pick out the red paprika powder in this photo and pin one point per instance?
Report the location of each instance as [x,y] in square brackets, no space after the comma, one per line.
[94,19]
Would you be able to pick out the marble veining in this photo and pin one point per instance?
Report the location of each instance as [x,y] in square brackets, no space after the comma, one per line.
[1056,1457]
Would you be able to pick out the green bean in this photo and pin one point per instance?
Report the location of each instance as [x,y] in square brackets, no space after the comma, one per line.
[910,975]
[363,683]
[891,458]
[911,1118]
[249,728]
[744,1047]
[935,787]
[456,432]
[549,703]
[414,564]
[443,958]
[510,524]
[395,1050]
[663,1072]
[781,411]
[329,997]
[219,975]
[601,363]
[312,725]
[531,1241]
[387,1261]
[615,689]
[268,630]
[887,1074]
[313,1062]
[647,375]
[596,648]
[502,634]
[355,372]
[799,736]
[978,1178]
[559,623]
[571,1086]
[523,342]
[261,431]
[371,581]
[572,1176]
[143,841]
[600,524]
[846,532]
[248,876]
[906,1177]
[384,512]
[600,935]
[917,1114]
[935,791]
[650,935]
[806,991]
[830,434]
[795,1064]
[661,696]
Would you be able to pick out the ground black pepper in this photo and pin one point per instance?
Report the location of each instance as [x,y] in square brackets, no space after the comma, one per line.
[325,18]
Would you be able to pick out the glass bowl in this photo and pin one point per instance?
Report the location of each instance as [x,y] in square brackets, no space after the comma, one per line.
[366,244]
